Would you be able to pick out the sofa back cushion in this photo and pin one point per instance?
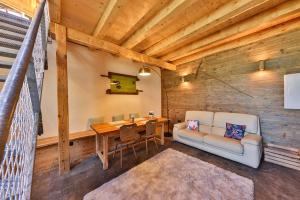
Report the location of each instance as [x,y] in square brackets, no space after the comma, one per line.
[205,118]
[221,118]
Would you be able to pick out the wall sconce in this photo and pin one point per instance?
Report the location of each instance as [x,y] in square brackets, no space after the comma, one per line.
[183,79]
[261,66]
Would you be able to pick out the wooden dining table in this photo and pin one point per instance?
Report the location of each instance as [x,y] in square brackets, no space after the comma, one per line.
[111,129]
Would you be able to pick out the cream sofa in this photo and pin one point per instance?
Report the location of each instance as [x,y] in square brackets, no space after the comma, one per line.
[210,136]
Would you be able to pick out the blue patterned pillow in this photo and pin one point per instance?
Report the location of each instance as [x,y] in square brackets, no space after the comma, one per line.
[235,131]
[193,125]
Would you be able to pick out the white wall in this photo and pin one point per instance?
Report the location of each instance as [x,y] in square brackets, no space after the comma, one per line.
[87,97]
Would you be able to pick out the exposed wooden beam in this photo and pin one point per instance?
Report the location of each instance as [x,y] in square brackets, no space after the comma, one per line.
[62,98]
[56,10]
[107,17]
[20,6]
[147,29]
[33,4]
[280,14]
[143,19]
[292,25]
[93,42]
[224,16]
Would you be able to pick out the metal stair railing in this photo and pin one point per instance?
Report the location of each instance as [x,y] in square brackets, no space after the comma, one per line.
[20,108]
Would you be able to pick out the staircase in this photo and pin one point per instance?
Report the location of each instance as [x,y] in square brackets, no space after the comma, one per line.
[23,45]
[12,32]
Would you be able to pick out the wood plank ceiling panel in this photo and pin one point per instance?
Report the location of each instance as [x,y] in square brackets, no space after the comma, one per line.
[172,24]
[224,16]
[271,17]
[26,6]
[131,17]
[82,15]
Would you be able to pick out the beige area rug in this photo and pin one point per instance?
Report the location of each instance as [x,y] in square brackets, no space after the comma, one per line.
[175,175]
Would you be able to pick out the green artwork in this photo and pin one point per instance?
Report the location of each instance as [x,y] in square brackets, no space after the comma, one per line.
[122,84]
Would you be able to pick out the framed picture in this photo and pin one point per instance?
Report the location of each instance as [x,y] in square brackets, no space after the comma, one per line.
[122,84]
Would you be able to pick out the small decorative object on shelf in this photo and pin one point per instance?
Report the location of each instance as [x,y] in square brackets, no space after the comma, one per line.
[151,114]
[281,155]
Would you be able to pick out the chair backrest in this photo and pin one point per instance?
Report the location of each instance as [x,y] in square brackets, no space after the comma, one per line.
[151,127]
[135,115]
[128,132]
[118,117]
[94,120]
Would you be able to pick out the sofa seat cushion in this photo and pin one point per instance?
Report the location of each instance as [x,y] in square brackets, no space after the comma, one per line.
[228,144]
[191,135]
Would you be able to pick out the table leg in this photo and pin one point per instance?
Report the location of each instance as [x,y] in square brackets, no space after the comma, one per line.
[97,143]
[162,134]
[105,152]
[103,155]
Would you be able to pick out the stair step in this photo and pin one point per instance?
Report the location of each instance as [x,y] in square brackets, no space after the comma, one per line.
[15,17]
[11,35]
[8,52]
[6,64]
[9,27]
[3,78]
[14,20]
[4,42]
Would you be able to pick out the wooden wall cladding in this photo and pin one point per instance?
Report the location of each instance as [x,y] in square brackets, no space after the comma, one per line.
[46,158]
[239,67]
[81,148]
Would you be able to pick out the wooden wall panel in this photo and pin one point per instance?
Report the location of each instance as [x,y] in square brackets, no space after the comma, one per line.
[239,67]
[47,157]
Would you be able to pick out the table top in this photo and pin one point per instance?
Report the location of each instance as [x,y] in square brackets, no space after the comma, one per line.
[109,127]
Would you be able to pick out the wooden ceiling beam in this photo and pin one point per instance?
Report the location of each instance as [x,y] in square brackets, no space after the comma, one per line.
[223,14]
[147,29]
[93,42]
[280,14]
[292,25]
[55,6]
[107,17]
[24,7]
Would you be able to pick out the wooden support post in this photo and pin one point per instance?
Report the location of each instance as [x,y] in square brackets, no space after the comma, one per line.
[62,99]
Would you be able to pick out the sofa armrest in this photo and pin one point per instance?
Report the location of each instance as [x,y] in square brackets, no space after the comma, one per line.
[252,139]
[181,125]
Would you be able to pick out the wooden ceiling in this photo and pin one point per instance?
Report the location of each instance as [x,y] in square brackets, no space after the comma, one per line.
[173,32]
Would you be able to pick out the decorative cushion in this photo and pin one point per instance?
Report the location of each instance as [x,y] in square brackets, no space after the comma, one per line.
[193,125]
[235,131]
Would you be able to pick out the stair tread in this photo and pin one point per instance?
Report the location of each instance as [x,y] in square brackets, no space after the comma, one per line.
[3,78]
[15,17]
[14,23]
[11,35]
[8,52]
[5,42]
[6,26]
[14,20]
[6,64]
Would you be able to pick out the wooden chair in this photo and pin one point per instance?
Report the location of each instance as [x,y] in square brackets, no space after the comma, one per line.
[135,115]
[94,120]
[118,117]
[149,134]
[128,137]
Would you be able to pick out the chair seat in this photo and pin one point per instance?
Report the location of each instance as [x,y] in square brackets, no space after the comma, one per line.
[133,140]
[142,132]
